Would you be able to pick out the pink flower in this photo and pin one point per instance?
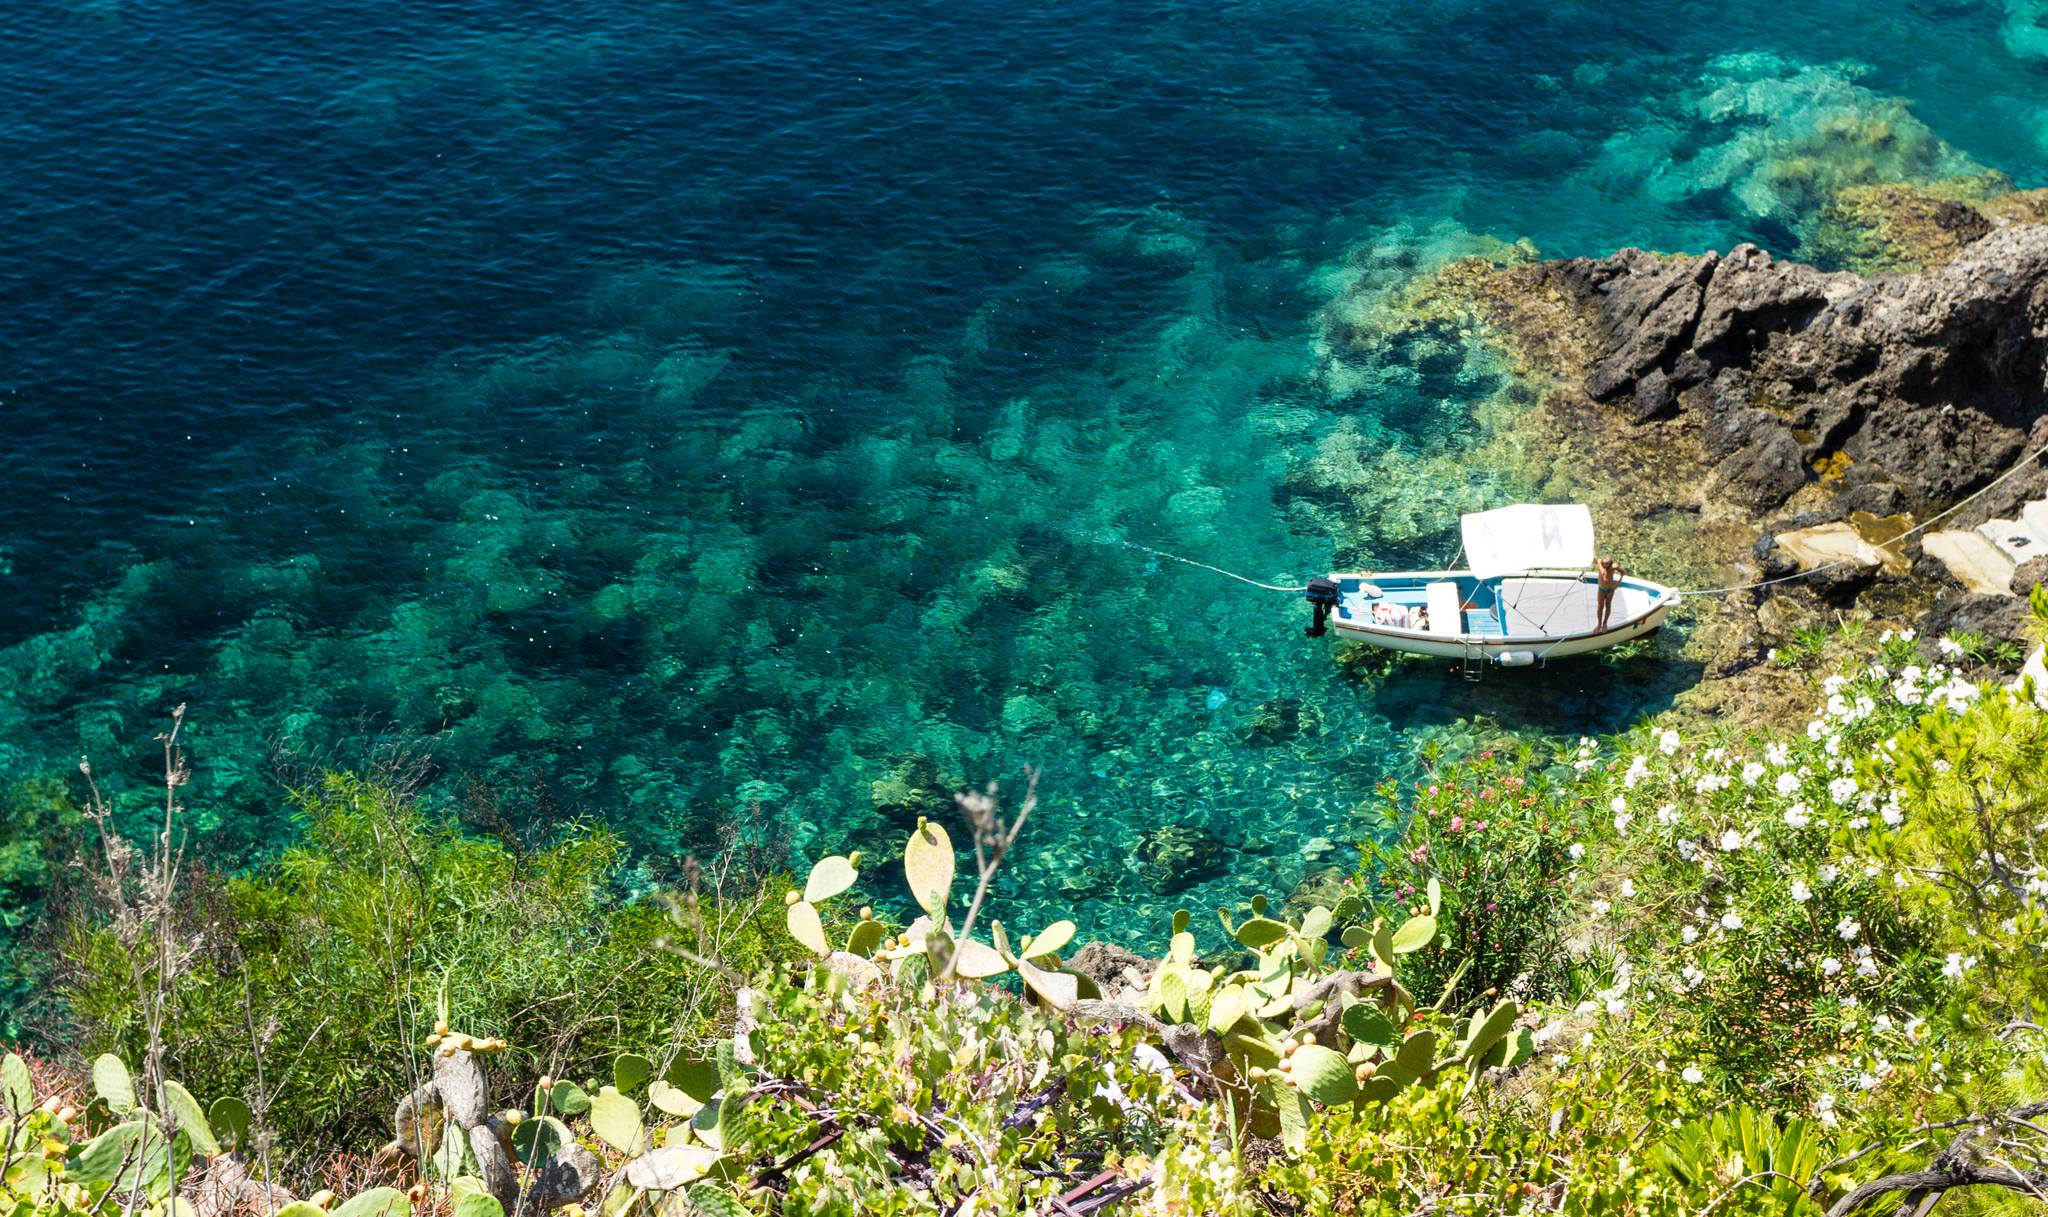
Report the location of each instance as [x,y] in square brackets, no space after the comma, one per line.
[1457,822]
[1479,827]
[1492,906]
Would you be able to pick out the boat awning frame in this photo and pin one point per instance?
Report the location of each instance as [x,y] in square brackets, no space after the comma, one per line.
[1528,536]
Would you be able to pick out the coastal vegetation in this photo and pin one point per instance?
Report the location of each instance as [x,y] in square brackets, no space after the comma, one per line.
[1689,970]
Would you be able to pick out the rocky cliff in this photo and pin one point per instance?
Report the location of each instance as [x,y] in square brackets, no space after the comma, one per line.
[1889,392]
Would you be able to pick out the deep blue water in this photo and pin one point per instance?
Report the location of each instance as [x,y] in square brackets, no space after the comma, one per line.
[664,408]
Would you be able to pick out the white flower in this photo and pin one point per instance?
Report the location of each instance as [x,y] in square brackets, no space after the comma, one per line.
[1830,966]
[1689,934]
[1787,783]
[1828,872]
[1843,790]
[1577,851]
[1638,769]
[1861,822]
[1600,908]
[1908,634]
[1779,754]
[1621,822]
[1731,920]
[1751,772]
[1865,965]
[1667,742]
[1893,817]
[1957,965]
[1801,892]
[1798,816]
[1617,805]
[1730,841]
[1949,647]
[1847,929]
[1692,1075]
[1628,889]
[1667,814]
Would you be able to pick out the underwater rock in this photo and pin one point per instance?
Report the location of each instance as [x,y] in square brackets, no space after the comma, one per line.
[1174,856]
[1324,887]
[913,787]
[1280,719]
[1782,616]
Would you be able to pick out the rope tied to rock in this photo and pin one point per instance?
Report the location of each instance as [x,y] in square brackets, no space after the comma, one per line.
[1907,535]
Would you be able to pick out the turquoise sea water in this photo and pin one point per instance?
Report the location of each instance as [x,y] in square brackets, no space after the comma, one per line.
[664,409]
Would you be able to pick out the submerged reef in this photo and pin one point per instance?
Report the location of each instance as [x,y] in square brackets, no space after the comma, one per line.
[1777,137]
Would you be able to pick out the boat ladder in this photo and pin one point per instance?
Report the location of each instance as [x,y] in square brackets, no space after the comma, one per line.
[1473,666]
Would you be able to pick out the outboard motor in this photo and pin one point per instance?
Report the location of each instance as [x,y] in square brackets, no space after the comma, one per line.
[1324,595]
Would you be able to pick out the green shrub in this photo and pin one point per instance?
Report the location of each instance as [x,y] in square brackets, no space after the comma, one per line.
[323,961]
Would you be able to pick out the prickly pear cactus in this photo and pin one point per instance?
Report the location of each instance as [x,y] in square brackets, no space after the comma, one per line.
[931,942]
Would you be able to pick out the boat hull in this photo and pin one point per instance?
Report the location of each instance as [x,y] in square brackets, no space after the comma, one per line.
[1640,608]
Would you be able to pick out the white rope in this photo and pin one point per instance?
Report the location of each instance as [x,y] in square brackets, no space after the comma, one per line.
[1917,528]
[1160,553]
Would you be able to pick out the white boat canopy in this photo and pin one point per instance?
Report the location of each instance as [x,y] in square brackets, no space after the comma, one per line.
[1528,536]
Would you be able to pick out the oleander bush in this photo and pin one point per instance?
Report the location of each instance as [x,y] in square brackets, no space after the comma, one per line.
[1675,972]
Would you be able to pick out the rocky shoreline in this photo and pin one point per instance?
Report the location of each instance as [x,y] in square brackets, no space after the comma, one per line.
[1770,405]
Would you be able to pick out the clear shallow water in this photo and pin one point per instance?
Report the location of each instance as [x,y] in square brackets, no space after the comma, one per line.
[665,408]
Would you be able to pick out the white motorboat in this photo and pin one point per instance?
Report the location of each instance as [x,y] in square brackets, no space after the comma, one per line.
[1528,595]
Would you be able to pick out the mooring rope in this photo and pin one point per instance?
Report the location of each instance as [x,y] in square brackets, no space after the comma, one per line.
[1160,553]
[1930,522]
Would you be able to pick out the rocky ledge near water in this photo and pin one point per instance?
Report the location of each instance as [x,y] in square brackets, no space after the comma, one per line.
[1819,412]
[1893,392]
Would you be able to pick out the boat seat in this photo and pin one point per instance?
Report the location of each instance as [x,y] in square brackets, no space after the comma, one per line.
[1443,601]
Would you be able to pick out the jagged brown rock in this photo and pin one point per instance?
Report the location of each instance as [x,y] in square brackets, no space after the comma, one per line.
[1926,385]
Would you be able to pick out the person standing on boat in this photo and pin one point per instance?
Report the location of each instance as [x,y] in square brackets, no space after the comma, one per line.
[1610,582]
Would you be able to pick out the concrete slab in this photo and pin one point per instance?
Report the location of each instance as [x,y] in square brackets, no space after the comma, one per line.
[1976,563]
[2016,539]
[2035,516]
[1826,544]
